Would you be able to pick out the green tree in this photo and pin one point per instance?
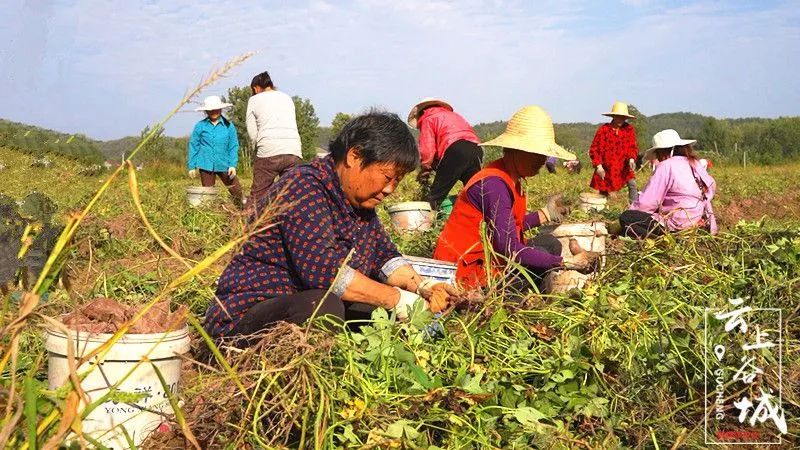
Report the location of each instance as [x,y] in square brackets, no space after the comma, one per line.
[715,135]
[155,148]
[339,121]
[644,136]
[237,114]
[307,123]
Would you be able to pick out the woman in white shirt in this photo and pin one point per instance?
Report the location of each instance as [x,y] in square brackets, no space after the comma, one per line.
[272,127]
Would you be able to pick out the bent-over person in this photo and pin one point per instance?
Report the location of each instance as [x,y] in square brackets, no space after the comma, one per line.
[283,273]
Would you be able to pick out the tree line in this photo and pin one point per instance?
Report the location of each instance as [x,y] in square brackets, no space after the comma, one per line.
[734,141]
[741,141]
[40,142]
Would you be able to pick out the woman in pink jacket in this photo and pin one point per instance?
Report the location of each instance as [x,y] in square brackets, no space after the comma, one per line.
[447,144]
[678,195]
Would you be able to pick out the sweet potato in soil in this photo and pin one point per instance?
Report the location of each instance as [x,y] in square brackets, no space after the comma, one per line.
[105,315]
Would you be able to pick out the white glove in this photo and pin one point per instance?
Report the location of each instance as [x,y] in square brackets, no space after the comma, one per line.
[193,173]
[601,172]
[232,172]
[407,300]
[632,164]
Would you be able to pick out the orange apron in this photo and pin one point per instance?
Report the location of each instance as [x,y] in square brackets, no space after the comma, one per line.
[460,241]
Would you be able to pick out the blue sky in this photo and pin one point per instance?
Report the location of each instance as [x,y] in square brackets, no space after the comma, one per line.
[108,68]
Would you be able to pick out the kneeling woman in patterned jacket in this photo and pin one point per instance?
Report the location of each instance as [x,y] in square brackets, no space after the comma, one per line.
[284,272]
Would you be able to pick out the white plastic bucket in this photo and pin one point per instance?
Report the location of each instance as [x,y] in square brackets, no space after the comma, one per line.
[197,195]
[561,281]
[411,216]
[593,202]
[592,237]
[433,269]
[104,422]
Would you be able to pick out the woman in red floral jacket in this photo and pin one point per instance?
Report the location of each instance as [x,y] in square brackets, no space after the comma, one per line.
[614,152]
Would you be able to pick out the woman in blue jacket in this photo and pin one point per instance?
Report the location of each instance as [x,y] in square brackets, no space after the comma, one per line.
[214,149]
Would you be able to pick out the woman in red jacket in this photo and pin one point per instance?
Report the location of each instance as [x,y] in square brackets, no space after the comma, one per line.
[614,152]
[447,144]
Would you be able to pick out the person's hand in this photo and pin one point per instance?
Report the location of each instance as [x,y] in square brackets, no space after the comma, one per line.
[193,173]
[573,166]
[601,172]
[232,172]
[423,176]
[437,293]
[406,302]
[632,164]
[555,210]
[581,260]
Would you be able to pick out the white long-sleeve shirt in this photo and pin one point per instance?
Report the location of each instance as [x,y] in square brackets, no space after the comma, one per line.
[271,124]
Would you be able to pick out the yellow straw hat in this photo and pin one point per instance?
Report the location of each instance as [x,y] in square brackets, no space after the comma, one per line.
[531,130]
[422,104]
[619,109]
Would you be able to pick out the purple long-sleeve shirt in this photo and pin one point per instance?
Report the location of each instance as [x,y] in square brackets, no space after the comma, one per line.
[495,201]
[673,197]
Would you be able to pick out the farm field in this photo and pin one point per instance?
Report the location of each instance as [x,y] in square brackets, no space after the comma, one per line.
[618,365]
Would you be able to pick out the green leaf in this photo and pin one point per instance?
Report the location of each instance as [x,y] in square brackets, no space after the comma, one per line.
[529,417]
[421,376]
[568,388]
[37,206]
[546,407]
[401,429]
[472,384]
[565,374]
[596,407]
[380,314]
[403,355]
[498,319]
[348,435]
[509,398]
[419,317]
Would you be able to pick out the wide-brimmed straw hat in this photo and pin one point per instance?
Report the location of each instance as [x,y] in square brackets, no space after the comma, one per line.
[422,104]
[619,109]
[531,130]
[666,139]
[211,103]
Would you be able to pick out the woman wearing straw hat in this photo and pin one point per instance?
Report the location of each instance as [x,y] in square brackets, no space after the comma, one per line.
[614,152]
[447,144]
[678,195]
[494,196]
[214,148]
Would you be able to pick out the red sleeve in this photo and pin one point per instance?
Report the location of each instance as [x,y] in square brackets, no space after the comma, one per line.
[633,147]
[595,150]
[427,144]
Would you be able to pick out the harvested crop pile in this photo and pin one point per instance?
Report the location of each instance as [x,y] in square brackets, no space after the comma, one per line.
[218,402]
[105,315]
